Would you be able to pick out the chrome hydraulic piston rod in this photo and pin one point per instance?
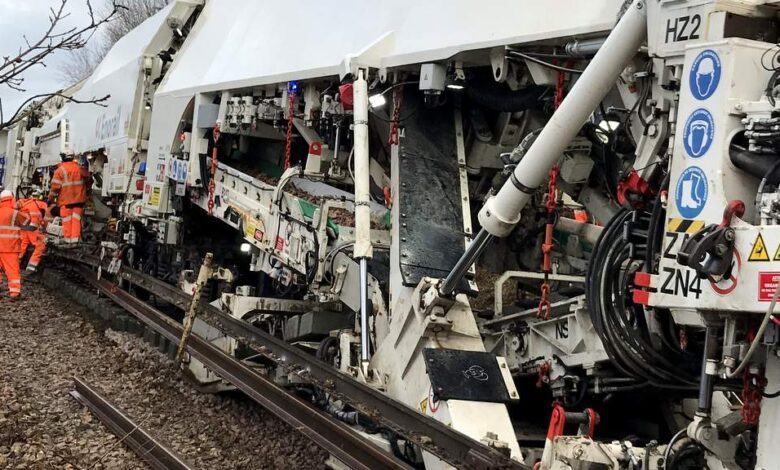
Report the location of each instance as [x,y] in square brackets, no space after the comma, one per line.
[501,212]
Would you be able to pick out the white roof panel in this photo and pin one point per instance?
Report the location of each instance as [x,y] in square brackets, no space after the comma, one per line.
[238,43]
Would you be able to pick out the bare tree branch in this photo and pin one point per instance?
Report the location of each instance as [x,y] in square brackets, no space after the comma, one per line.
[81,63]
[54,38]
[24,110]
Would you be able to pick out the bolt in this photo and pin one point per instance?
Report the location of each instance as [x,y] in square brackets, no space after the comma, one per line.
[514,394]
[729,235]
[640,5]
[652,130]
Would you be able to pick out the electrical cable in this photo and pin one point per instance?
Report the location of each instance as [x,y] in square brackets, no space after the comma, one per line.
[771,395]
[760,191]
[667,452]
[619,323]
[514,54]
[759,334]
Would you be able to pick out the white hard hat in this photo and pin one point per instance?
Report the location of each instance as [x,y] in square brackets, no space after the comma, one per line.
[706,66]
[6,194]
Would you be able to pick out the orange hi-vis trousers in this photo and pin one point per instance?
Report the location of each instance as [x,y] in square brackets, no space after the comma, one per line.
[9,264]
[71,223]
[36,239]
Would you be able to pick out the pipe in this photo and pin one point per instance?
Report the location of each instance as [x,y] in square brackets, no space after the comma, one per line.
[589,232]
[585,47]
[363,249]
[501,212]
[709,369]
[464,263]
[755,164]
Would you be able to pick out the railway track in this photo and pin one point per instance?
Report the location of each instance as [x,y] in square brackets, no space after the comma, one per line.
[157,455]
[342,441]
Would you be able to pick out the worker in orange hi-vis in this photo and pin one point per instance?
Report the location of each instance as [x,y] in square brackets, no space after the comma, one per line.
[35,209]
[11,222]
[69,188]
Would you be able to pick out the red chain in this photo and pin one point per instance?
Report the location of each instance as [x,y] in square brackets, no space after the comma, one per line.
[752,386]
[559,88]
[544,302]
[542,371]
[398,94]
[552,189]
[290,116]
[213,173]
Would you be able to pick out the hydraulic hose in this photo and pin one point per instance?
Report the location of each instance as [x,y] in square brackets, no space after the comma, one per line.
[497,98]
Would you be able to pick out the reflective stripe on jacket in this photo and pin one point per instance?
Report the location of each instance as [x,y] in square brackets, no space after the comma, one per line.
[68,184]
[34,209]
[11,221]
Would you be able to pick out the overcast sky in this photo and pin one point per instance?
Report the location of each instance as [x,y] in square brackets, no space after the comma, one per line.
[30,18]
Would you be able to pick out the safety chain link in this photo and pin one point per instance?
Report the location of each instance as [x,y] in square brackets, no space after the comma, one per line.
[753,385]
[214,165]
[544,302]
[290,117]
[398,95]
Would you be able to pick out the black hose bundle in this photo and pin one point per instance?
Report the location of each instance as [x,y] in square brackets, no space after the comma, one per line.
[499,97]
[620,323]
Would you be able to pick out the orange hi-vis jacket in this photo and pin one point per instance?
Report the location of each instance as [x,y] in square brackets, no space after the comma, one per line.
[11,222]
[68,184]
[35,209]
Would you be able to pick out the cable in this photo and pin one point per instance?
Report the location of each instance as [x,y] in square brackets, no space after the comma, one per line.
[667,452]
[349,163]
[759,334]
[541,62]
[771,395]
[619,323]
[760,191]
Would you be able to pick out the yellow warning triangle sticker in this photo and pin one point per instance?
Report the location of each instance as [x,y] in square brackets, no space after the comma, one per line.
[759,252]
[777,253]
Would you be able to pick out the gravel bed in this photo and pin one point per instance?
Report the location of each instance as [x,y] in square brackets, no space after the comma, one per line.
[44,342]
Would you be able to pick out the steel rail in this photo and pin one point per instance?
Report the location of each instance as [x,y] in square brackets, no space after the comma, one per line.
[433,436]
[151,450]
[335,437]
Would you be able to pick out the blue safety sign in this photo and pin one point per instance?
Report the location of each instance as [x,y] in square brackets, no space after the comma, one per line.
[691,192]
[705,74]
[698,133]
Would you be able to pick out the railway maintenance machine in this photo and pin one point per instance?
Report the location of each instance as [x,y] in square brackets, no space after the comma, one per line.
[552,226]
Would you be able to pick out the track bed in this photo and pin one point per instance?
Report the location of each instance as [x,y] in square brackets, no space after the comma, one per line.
[45,341]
